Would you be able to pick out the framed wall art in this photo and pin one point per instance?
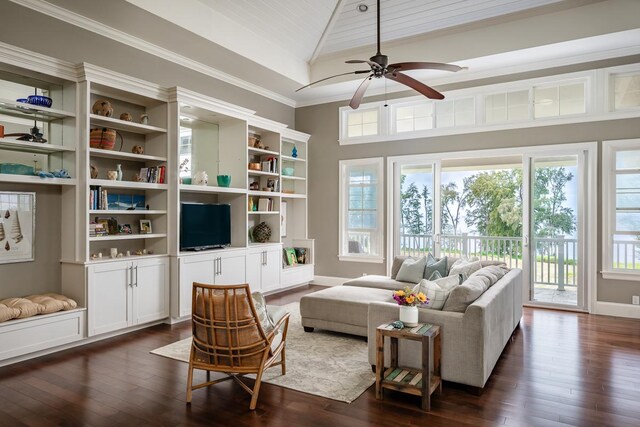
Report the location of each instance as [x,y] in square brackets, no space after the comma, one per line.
[17,226]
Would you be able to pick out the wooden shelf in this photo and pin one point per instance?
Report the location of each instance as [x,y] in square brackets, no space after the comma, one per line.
[263,212]
[32,147]
[407,375]
[107,183]
[293,196]
[127,237]
[124,125]
[32,179]
[127,212]
[28,111]
[291,159]
[264,193]
[189,188]
[110,154]
[263,151]
[252,172]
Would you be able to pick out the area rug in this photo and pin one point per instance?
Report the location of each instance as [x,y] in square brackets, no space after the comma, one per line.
[326,364]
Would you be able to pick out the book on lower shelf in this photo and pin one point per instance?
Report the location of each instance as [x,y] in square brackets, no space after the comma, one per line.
[153,175]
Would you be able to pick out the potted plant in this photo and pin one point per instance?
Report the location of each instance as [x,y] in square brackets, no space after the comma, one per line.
[409,300]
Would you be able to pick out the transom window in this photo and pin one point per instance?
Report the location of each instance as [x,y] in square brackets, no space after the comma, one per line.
[626,91]
[362,123]
[559,100]
[507,106]
[410,118]
[458,112]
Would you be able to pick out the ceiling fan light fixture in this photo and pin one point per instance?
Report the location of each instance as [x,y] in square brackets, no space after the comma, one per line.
[362,7]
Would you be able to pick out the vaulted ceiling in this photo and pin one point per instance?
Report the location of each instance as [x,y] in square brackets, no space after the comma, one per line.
[275,46]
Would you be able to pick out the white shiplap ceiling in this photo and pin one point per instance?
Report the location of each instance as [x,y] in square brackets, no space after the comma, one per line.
[297,25]
[406,18]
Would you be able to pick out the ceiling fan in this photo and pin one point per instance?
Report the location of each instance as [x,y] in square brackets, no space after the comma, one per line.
[380,67]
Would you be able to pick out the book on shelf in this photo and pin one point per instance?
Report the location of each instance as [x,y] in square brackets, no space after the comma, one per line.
[97,198]
[153,175]
[269,164]
[265,205]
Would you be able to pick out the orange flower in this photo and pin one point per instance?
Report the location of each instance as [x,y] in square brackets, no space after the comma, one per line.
[410,299]
[422,297]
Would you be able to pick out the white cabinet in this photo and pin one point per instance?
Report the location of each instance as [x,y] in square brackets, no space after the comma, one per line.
[213,268]
[127,293]
[263,268]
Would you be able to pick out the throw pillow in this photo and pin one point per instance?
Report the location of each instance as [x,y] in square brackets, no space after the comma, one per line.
[397,263]
[434,276]
[412,270]
[465,294]
[465,266]
[440,266]
[261,311]
[437,291]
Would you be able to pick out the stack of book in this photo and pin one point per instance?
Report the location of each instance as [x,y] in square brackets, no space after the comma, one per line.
[270,164]
[97,229]
[154,175]
[265,205]
[97,198]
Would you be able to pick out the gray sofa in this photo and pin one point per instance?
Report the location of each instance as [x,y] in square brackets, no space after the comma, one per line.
[471,341]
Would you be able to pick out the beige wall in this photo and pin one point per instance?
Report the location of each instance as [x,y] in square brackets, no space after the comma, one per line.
[26,278]
[67,42]
[321,122]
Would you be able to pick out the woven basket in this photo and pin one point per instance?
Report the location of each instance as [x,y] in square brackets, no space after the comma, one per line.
[104,139]
[262,232]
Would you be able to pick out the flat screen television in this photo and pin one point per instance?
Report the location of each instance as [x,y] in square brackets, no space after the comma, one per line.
[204,226]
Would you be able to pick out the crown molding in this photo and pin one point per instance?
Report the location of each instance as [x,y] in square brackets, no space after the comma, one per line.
[295,135]
[96,74]
[266,124]
[27,59]
[194,99]
[88,24]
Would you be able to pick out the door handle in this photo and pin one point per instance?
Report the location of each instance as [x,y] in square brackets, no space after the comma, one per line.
[525,241]
[220,266]
[130,284]
[136,276]
[437,239]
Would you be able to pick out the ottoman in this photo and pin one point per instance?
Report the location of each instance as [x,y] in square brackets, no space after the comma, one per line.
[340,308]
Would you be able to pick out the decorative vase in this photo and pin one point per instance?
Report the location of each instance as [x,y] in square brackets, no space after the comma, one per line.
[200,178]
[119,172]
[409,315]
[112,175]
[102,107]
[224,180]
[294,152]
[262,233]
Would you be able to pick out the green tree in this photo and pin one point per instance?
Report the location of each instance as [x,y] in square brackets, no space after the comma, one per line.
[427,203]
[453,206]
[411,210]
[551,218]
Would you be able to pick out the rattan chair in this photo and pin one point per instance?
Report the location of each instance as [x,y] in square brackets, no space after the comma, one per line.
[228,337]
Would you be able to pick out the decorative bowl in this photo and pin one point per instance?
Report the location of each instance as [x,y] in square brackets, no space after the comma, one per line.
[255,166]
[43,101]
[288,171]
[224,180]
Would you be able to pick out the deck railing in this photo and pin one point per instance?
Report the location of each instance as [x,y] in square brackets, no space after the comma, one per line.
[556,258]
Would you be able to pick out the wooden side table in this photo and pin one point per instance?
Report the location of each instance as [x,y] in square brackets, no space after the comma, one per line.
[408,380]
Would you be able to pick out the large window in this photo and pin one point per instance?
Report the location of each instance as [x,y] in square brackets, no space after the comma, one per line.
[361,195]
[621,193]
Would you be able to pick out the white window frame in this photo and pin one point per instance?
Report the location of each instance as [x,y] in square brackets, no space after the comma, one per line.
[609,149]
[610,96]
[343,203]
[344,122]
[394,116]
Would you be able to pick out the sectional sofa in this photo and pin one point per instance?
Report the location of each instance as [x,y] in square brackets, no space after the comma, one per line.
[472,341]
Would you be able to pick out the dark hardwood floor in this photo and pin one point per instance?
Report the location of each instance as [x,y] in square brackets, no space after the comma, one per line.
[561,368]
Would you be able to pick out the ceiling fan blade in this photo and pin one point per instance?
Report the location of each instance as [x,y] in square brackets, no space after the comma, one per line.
[415,85]
[337,75]
[363,61]
[357,97]
[405,66]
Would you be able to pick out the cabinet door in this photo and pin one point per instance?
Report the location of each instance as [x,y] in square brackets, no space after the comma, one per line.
[271,270]
[150,290]
[254,270]
[109,297]
[231,269]
[195,268]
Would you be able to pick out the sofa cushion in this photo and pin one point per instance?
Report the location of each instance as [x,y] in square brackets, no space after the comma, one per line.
[412,270]
[437,291]
[379,282]
[397,263]
[466,266]
[437,265]
[469,291]
[49,305]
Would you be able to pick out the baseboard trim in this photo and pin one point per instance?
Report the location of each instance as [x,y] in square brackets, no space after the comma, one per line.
[617,309]
[328,280]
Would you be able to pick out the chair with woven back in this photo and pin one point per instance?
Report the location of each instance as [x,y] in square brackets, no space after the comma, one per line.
[229,337]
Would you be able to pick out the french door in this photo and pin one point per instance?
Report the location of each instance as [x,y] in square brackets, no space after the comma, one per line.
[555,244]
[534,211]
